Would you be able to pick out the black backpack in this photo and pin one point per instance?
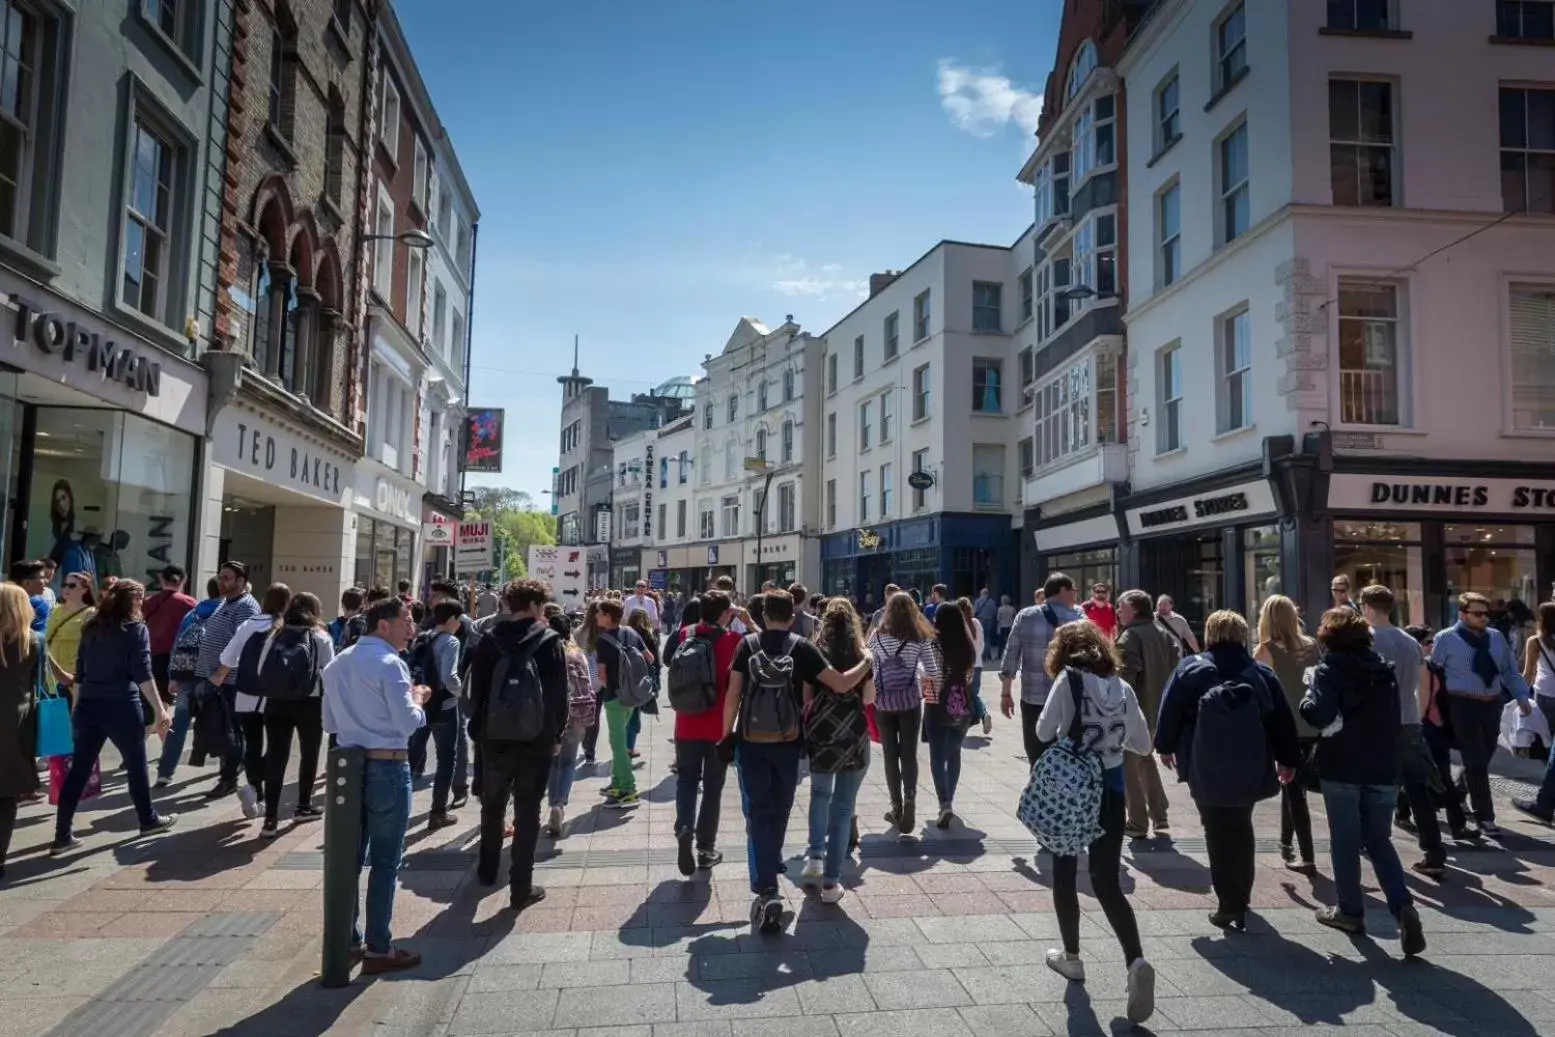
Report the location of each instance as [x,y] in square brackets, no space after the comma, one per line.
[515,701]
[421,662]
[769,710]
[281,665]
[1231,764]
[693,683]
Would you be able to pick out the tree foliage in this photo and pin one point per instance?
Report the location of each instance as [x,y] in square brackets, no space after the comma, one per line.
[515,525]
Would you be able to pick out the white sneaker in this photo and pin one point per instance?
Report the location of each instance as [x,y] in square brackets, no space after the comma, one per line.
[1068,966]
[987,723]
[553,823]
[1141,991]
[162,783]
[248,799]
[831,894]
[811,873]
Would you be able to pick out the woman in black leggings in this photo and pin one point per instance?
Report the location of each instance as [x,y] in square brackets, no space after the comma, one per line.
[1098,710]
[305,716]
[903,658]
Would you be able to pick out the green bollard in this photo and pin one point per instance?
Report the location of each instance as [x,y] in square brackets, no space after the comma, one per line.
[342,860]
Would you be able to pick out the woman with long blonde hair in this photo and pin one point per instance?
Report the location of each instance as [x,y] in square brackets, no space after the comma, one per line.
[113,677]
[1283,646]
[21,656]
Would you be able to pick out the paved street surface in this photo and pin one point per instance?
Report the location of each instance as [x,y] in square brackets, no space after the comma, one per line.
[211,931]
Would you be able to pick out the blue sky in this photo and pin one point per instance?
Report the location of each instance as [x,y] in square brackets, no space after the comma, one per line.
[649,172]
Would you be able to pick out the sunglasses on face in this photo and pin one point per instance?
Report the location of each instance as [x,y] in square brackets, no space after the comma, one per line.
[1477,613]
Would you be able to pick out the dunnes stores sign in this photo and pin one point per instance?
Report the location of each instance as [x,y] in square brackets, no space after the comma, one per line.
[77,343]
[1227,506]
[1381,493]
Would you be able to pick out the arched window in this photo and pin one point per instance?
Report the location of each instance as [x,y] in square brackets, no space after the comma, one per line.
[788,442]
[1079,69]
[788,386]
[734,405]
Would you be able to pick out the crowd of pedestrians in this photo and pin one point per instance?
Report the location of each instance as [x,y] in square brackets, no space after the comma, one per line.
[782,684]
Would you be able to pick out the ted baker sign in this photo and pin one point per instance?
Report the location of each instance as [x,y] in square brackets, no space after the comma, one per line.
[1392,493]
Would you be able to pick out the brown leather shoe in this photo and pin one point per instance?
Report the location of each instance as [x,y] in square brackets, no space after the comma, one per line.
[397,960]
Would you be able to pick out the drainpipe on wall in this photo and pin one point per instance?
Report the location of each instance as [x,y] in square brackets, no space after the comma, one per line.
[469,346]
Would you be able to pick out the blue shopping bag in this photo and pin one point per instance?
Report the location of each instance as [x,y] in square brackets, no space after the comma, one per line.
[53,709]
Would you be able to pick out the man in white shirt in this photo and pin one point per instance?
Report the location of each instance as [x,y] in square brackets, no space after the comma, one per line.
[642,600]
[1177,624]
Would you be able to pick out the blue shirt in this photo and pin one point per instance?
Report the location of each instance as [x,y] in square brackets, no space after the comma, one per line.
[40,612]
[224,622]
[114,661]
[1025,652]
[367,699]
[1453,654]
[199,613]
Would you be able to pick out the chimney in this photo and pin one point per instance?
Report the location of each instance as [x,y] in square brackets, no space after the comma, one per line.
[880,282]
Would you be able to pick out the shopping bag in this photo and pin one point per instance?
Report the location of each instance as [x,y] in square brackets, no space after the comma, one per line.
[53,710]
[59,769]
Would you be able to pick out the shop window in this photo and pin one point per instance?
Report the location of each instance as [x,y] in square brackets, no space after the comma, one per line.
[1389,553]
[112,494]
[1086,568]
[1369,354]
[1498,561]
[1533,356]
[1261,563]
[150,207]
[30,45]
[987,385]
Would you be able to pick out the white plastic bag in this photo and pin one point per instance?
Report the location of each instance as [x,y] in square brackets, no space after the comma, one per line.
[1520,732]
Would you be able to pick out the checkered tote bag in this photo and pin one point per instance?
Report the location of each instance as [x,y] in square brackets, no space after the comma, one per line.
[1061,804]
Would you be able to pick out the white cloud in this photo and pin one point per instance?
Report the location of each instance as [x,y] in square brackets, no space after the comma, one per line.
[982,102]
[797,278]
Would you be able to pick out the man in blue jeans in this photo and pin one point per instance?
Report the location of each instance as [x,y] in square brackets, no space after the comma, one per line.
[768,675]
[370,703]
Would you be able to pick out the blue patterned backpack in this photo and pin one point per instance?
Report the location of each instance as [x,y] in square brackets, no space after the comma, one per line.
[1061,804]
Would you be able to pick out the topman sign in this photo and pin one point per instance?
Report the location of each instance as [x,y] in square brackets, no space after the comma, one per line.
[75,343]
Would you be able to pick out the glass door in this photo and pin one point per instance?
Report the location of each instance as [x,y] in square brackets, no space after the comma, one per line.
[12,417]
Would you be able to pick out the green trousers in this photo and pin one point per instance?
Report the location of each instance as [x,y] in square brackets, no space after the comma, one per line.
[617,717]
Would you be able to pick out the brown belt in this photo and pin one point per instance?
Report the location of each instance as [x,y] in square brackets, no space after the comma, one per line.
[388,754]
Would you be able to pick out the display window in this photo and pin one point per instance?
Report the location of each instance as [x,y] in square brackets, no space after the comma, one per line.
[1389,553]
[109,494]
[1498,561]
[1086,569]
[1261,564]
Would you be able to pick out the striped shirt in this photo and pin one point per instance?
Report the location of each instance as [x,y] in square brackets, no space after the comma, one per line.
[224,623]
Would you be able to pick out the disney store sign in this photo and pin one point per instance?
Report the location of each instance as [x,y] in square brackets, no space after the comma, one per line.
[74,342]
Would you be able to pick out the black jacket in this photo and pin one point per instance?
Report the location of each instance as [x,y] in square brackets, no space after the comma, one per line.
[1196,675]
[550,660]
[1361,688]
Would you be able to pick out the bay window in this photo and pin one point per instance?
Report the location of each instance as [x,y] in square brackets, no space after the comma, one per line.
[1095,141]
[1095,257]
[1052,188]
[1063,414]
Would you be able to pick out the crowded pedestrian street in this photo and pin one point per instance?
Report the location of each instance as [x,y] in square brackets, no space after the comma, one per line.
[209,930]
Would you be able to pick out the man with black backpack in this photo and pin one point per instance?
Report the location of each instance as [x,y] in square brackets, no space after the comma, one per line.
[1226,727]
[762,714]
[518,711]
[433,659]
[698,685]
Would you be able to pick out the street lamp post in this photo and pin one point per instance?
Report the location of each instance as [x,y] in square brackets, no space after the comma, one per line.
[760,466]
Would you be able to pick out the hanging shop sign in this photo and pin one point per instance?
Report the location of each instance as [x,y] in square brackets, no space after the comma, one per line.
[712,554]
[473,548]
[868,540]
[1228,506]
[1444,494]
[920,480]
[483,439]
[438,534]
[77,342]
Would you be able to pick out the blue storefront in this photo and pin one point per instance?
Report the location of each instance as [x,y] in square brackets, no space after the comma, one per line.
[964,552]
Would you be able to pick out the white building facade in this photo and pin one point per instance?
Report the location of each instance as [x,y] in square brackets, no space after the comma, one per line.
[919,417]
[1341,316]
[751,516]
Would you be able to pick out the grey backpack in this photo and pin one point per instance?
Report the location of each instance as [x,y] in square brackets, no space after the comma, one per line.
[632,683]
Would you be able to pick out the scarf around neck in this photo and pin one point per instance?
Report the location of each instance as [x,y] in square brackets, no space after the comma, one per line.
[1483,664]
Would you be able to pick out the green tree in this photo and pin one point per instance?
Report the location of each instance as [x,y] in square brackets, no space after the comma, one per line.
[515,525]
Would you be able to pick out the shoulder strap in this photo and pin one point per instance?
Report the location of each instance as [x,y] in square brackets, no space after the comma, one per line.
[1050,615]
[1545,652]
[1077,692]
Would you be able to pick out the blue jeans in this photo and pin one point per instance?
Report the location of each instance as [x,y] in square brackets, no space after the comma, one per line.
[564,768]
[94,722]
[945,759]
[769,774]
[445,730]
[385,817]
[831,814]
[1362,816]
[461,781]
[173,744]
